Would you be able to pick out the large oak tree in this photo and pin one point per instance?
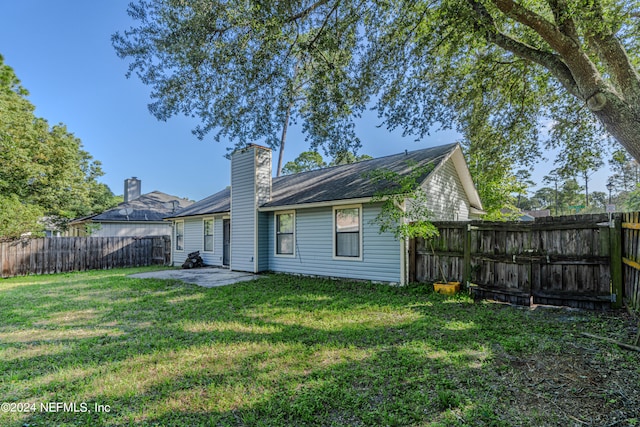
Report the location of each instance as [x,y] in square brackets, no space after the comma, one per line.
[500,70]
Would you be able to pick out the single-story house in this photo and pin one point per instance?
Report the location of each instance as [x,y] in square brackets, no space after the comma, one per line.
[138,215]
[318,222]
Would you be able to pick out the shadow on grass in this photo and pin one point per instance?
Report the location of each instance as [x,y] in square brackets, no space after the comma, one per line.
[281,350]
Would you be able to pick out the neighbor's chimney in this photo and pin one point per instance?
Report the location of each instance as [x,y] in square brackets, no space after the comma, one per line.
[132,189]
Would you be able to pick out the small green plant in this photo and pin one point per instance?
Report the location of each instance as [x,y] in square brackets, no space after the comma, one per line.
[448,399]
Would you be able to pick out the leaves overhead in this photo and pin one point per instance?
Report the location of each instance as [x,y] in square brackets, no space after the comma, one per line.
[240,66]
[512,76]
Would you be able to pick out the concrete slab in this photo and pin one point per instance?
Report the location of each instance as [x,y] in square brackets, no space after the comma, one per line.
[208,277]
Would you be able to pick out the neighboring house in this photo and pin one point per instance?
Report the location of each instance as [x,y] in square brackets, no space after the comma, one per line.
[526,216]
[138,215]
[317,222]
[540,213]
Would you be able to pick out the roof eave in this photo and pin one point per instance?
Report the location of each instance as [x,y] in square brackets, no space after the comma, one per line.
[327,203]
[200,215]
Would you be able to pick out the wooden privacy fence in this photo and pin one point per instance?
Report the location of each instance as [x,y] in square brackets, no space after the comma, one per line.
[631,258]
[571,261]
[65,254]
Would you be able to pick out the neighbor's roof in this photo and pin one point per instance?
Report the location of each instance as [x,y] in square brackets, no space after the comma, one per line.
[154,206]
[343,182]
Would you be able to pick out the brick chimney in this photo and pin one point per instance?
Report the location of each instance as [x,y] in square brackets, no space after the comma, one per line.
[132,189]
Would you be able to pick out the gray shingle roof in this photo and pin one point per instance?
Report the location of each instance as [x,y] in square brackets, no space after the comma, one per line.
[154,206]
[349,181]
[343,182]
[216,203]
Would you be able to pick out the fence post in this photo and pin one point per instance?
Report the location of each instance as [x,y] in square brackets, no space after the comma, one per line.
[467,255]
[412,259]
[615,260]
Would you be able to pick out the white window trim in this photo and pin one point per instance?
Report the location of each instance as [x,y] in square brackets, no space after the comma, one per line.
[360,232]
[275,234]
[175,236]
[213,235]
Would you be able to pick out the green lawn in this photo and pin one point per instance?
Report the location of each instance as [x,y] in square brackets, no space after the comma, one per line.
[286,350]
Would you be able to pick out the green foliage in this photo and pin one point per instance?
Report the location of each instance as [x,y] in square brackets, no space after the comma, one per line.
[543,198]
[44,166]
[246,68]
[495,183]
[567,195]
[17,218]
[311,160]
[346,157]
[632,200]
[306,161]
[403,201]
[498,71]
[625,180]
[625,171]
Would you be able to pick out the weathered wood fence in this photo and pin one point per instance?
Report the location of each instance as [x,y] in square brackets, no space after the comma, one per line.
[631,258]
[571,261]
[65,254]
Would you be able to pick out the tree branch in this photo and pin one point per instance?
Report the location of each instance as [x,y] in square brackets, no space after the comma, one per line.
[324,24]
[547,30]
[553,63]
[306,12]
[563,19]
[584,72]
[614,55]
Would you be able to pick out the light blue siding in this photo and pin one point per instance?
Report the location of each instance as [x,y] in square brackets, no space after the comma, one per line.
[107,229]
[445,194]
[243,210]
[194,241]
[381,260]
[250,187]
[263,241]
[263,195]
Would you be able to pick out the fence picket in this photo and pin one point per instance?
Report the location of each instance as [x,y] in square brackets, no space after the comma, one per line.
[65,254]
[560,260]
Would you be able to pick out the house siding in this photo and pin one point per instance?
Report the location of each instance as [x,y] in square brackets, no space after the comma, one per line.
[250,186]
[263,241]
[263,195]
[445,194]
[194,241]
[381,260]
[127,229]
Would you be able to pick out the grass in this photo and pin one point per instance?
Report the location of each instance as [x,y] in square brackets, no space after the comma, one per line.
[281,350]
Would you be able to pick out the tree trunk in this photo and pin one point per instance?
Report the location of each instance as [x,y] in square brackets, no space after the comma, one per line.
[621,120]
[283,139]
[586,189]
[611,92]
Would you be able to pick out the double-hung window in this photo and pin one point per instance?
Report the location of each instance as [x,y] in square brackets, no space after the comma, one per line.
[179,235]
[285,233]
[208,235]
[348,232]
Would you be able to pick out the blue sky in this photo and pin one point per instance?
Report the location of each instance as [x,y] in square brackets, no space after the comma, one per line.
[62,53]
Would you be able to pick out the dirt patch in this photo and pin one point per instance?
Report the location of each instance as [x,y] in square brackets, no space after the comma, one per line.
[586,383]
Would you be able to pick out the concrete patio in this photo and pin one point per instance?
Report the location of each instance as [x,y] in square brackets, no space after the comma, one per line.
[207,277]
